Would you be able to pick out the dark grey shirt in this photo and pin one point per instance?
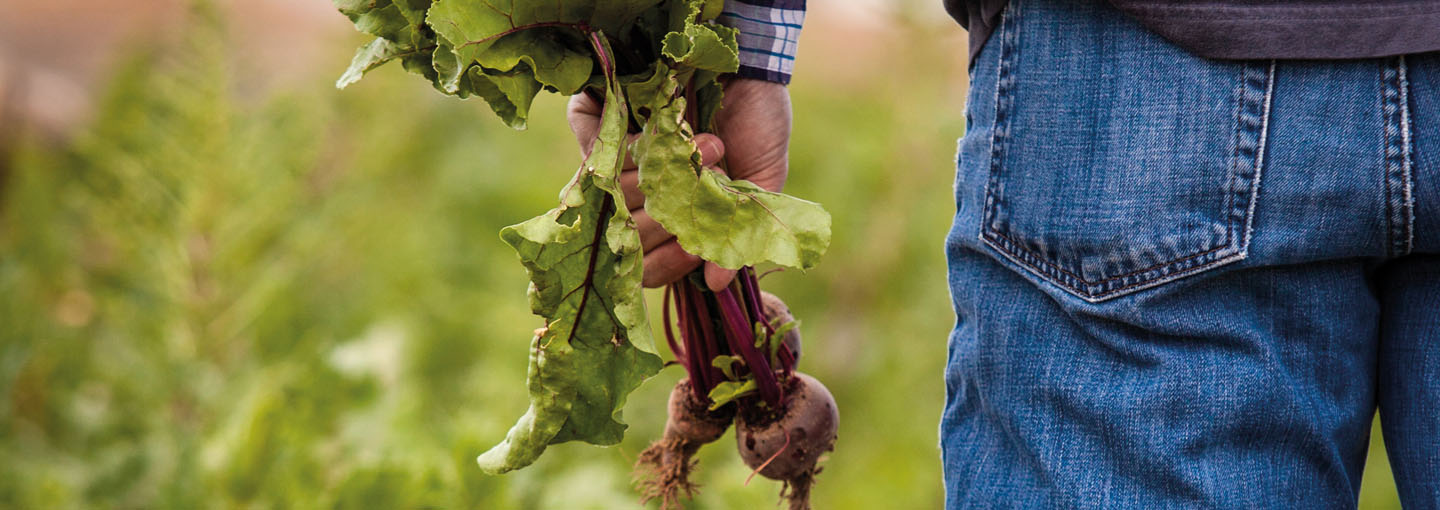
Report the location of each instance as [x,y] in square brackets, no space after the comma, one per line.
[1246,29]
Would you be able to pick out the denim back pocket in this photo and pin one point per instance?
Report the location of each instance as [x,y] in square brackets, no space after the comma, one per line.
[1118,161]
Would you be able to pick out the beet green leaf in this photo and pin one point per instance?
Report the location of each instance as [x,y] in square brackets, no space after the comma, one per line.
[731,223]
[584,260]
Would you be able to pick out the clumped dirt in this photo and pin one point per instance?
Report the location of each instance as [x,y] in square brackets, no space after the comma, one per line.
[663,470]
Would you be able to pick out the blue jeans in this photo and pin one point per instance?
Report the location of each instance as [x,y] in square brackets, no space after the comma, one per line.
[1184,283]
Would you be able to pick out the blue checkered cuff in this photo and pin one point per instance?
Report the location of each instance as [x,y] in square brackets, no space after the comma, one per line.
[769,33]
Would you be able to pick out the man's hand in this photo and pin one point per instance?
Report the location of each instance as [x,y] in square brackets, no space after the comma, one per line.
[752,139]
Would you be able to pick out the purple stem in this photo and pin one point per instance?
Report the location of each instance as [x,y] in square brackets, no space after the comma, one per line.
[751,291]
[751,284]
[699,380]
[716,323]
[710,346]
[787,359]
[742,340]
[665,303]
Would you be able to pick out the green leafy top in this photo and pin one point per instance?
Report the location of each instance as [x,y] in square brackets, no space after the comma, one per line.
[504,52]
[584,256]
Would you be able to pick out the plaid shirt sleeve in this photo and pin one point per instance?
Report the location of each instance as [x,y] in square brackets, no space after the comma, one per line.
[769,32]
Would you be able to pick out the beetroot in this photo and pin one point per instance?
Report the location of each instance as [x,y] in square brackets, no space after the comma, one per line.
[786,445]
[784,420]
[663,470]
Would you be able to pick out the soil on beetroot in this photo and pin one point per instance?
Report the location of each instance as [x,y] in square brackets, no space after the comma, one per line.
[756,413]
[797,490]
[663,470]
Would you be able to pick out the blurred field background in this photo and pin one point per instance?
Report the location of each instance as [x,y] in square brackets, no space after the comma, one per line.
[225,284]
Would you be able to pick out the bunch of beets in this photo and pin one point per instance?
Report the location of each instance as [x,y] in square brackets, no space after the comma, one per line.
[659,68]
[784,419]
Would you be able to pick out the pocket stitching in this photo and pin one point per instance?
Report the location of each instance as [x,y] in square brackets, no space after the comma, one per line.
[1098,290]
[1012,245]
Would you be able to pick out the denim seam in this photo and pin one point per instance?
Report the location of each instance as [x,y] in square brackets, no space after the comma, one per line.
[1386,147]
[1399,202]
[1006,38]
[1240,217]
[1012,244]
[1234,182]
[1406,159]
[1259,159]
[1385,137]
[1235,217]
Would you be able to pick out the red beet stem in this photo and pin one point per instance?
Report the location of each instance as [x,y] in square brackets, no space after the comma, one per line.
[742,340]
[751,289]
[699,340]
[705,310]
[787,360]
[723,323]
[665,303]
[689,334]
[750,284]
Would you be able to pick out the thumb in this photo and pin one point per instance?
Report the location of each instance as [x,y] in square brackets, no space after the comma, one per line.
[717,278]
[583,114]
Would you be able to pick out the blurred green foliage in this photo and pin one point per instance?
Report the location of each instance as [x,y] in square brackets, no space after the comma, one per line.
[295,302]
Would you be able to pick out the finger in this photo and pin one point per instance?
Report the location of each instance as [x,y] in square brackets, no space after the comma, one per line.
[668,263]
[630,186]
[710,147]
[717,278]
[583,112]
[711,150]
[651,233]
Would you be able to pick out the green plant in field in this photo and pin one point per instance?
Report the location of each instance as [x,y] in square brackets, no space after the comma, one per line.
[208,302]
